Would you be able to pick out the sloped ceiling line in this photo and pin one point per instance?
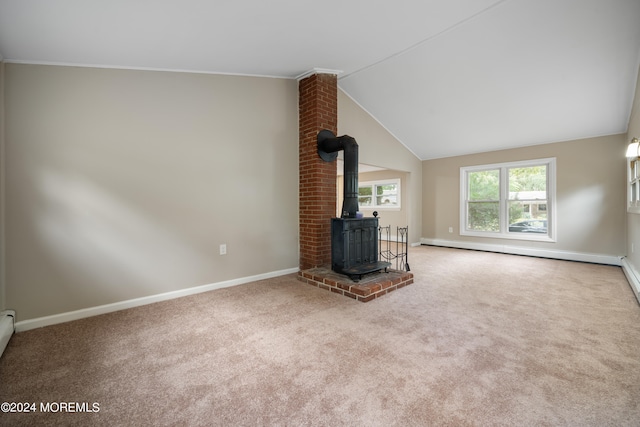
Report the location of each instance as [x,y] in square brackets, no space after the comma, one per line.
[426,40]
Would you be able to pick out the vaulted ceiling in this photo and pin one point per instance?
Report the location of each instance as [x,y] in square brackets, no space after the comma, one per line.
[445,77]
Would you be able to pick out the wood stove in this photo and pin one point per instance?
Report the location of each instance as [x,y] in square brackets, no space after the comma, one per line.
[354,247]
[354,240]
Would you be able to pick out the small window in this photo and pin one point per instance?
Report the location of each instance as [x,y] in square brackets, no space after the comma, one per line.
[379,194]
[634,185]
[508,200]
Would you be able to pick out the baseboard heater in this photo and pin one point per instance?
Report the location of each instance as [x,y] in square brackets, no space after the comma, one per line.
[7,328]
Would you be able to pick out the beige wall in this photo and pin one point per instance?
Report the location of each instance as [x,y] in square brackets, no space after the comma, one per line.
[122,184]
[633,219]
[377,147]
[590,195]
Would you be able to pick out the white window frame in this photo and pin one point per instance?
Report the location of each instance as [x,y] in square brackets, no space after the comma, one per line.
[373,184]
[550,163]
[633,185]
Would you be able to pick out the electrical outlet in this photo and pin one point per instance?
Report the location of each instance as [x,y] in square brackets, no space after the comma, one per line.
[223,249]
[450,229]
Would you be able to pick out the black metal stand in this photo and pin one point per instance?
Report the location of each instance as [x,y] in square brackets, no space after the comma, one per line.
[400,255]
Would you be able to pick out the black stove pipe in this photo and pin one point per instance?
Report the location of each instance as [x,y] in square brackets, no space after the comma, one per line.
[328,147]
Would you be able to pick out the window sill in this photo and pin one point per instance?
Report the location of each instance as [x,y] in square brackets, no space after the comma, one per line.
[633,209]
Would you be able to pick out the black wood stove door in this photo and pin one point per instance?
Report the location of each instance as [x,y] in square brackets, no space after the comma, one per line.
[354,242]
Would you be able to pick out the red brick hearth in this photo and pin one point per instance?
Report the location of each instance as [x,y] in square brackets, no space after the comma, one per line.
[369,288]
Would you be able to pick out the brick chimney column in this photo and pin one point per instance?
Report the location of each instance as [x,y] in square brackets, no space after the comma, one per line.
[318,109]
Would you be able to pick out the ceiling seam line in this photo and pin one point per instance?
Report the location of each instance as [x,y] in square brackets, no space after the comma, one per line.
[428,39]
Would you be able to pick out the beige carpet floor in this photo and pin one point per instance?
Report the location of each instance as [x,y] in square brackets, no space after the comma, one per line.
[479,339]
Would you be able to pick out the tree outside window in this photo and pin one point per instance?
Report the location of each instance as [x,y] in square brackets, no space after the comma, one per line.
[484,200]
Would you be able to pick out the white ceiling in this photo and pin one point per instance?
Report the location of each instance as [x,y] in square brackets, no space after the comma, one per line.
[446,77]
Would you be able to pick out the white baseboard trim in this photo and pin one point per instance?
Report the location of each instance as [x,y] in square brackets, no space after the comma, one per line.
[39,322]
[519,250]
[632,277]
